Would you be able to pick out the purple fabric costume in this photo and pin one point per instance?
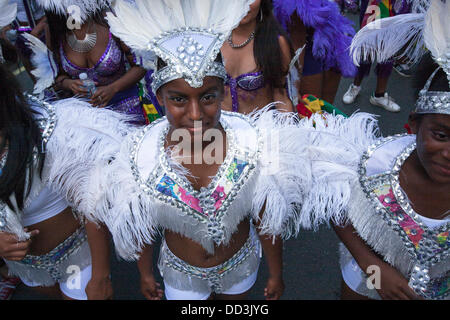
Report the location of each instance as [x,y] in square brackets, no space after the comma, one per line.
[245,87]
[108,69]
[333,32]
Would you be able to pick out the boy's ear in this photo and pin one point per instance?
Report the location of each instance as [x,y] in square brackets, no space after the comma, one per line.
[159,98]
[413,122]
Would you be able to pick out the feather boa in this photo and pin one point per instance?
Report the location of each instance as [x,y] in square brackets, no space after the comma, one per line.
[332,31]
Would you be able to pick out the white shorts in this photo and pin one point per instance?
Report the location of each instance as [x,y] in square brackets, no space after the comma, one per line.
[239,288]
[74,287]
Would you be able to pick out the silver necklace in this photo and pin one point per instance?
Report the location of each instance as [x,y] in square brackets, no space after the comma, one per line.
[84,45]
[243,44]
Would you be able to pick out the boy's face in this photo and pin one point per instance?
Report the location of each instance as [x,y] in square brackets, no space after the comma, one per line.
[186,105]
[433,145]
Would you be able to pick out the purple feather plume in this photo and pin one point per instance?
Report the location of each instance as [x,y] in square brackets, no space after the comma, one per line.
[333,32]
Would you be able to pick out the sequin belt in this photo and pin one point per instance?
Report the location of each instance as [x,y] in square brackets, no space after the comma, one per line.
[214,274]
[51,260]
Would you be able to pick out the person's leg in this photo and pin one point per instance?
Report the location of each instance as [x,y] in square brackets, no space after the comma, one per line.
[331,80]
[52,292]
[383,72]
[349,294]
[312,84]
[381,97]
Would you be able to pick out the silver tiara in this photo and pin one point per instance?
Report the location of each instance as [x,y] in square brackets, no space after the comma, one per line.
[190,54]
[433,101]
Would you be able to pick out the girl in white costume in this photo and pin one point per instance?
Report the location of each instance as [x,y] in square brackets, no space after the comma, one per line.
[215,212]
[41,240]
[396,242]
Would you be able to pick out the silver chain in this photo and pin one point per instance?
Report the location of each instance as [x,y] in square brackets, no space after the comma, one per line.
[243,44]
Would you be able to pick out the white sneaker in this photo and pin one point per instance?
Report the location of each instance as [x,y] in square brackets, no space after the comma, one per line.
[385,102]
[351,94]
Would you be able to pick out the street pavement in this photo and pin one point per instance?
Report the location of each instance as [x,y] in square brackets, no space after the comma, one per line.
[311,261]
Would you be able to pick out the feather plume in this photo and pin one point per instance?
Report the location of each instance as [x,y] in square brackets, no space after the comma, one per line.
[437,33]
[137,24]
[8,12]
[45,69]
[383,39]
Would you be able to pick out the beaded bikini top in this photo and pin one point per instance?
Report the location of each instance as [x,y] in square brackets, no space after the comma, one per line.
[247,82]
[428,249]
[108,69]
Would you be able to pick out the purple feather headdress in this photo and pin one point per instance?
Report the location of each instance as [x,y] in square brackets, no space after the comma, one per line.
[333,32]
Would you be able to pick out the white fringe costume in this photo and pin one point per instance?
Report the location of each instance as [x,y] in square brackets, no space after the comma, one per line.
[76,138]
[382,215]
[271,159]
[378,208]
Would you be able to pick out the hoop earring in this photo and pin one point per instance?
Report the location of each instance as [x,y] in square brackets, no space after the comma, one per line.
[262,16]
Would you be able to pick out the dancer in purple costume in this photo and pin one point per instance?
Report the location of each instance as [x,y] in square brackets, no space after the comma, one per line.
[105,64]
[327,35]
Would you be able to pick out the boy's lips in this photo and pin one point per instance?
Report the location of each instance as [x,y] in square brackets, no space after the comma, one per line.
[443,169]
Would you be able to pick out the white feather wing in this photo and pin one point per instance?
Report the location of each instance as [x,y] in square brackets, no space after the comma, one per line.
[43,63]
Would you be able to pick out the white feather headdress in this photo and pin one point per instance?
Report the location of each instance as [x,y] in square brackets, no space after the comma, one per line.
[186,34]
[80,10]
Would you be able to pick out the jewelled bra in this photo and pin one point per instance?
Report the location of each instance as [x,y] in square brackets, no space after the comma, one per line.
[108,69]
[428,249]
[212,214]
[248,82]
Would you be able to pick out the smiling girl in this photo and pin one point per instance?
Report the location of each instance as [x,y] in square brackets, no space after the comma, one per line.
[403,228]
[216,217]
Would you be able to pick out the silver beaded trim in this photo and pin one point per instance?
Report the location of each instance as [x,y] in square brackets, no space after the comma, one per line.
[170,73]
[47,124]
[212,275]
[214,223]
[426,256]
[433,101]
[49,263]
[191,61]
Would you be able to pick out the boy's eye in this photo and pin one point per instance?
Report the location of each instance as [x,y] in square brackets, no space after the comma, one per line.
[440,135]
[177,99]
[209,97]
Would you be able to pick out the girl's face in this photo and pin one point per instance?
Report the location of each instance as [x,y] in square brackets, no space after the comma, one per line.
[186,106]
[433,145]
[253,13]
